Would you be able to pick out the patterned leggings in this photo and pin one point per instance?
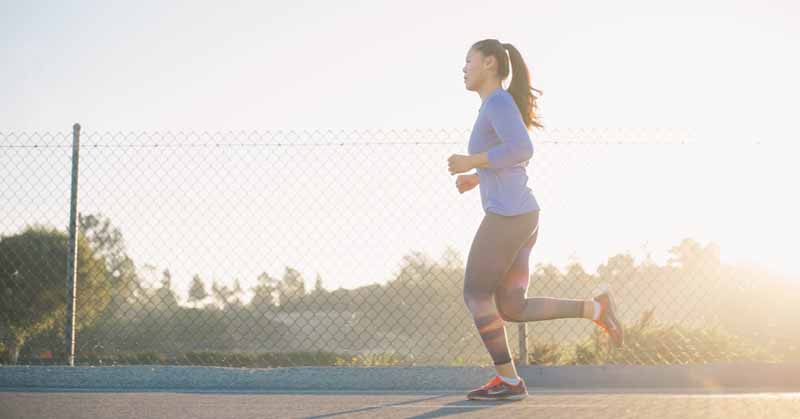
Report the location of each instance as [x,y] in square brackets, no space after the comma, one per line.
[496,281]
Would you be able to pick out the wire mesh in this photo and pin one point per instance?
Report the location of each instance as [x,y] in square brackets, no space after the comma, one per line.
[346,248]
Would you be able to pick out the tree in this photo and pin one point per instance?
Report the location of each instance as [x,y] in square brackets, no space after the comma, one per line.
[693,258]
[197,291]
[221,294]
[263,291]
[108,243]
[546,273]
[451,259]
[618,268]
[236,294]
[33,269]
[318,285]
[165,296]
[292,287]
[576,273]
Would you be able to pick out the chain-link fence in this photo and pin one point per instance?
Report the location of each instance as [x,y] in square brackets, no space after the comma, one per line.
[347,248]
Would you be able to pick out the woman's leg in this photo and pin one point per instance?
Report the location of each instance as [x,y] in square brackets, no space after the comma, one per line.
[513,304]
[496,244]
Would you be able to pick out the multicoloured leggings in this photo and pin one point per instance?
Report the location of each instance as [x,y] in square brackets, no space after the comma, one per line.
[496,281]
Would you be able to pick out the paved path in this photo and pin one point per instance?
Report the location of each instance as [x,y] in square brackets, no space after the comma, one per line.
[594,404]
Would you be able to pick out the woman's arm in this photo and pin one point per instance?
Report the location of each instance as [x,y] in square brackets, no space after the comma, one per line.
[480,160]
[515,146]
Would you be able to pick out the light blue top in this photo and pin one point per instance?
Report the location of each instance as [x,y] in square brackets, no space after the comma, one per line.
[500,130]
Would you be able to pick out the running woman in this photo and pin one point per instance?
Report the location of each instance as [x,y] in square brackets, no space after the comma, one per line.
[496,277]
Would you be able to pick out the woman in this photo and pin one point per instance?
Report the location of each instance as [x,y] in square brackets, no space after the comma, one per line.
[496,278]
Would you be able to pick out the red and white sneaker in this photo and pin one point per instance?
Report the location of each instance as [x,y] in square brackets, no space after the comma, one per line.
[608,319]
[497,389]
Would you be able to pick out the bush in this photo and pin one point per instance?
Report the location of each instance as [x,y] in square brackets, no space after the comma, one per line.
[648,342]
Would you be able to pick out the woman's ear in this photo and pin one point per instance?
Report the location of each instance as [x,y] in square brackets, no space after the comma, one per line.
[489,61]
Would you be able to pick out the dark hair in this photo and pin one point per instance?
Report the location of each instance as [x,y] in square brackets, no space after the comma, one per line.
[520,87]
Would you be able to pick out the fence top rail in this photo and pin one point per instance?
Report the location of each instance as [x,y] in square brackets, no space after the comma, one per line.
[341,138]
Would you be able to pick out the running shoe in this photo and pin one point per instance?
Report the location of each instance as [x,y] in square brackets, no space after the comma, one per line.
[497,389]
[608,319]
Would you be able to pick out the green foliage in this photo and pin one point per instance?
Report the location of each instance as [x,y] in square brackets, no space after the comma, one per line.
[257,360]
[649,342]
[237,359]
[33,272]
[417,316]
[197,291]
[458,362]
[108,245]
[544,353]
[373,360]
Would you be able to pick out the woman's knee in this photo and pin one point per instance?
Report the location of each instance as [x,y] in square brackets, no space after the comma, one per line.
[505,315]
[509,308]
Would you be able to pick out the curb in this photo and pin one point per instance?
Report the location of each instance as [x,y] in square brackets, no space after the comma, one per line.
[784,376]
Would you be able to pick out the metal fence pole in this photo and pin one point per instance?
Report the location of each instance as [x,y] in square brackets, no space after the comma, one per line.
[523,344]
[72,256]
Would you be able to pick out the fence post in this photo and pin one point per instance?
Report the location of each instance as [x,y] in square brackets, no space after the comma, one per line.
[523,344]
[72,256]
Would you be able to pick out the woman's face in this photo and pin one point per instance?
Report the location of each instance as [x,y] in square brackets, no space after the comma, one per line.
[476,69]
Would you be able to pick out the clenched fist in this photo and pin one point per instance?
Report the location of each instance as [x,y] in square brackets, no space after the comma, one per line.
[466,182]
[458,163]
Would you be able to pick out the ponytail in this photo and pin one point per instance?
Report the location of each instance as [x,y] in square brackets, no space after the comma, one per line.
[520,87]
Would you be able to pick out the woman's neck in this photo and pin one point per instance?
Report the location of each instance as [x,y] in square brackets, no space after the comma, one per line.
[487,89]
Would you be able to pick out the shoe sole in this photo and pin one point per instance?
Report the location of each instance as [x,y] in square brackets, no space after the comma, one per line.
[613,314]
[514,397]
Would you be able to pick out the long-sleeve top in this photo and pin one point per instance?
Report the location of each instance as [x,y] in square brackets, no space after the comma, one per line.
[500,130]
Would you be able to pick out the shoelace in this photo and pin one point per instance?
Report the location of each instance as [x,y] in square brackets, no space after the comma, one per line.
[493,382]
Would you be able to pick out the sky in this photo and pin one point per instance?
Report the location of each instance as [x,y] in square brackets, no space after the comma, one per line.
[296,64]
[726,70]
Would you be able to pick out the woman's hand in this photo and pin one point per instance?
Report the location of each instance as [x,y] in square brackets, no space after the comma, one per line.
[458,163]
[466,182]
